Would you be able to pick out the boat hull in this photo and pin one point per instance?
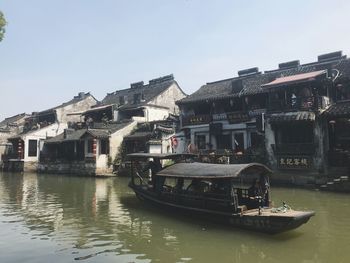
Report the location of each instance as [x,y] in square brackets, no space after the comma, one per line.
[266,221]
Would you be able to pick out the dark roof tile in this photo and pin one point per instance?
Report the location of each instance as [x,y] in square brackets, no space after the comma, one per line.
[147,92]
[251,84]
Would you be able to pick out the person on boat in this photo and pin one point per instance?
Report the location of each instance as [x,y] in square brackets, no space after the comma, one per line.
[265,186]
[179,184]
[255,193]
[194,186]
[155,166]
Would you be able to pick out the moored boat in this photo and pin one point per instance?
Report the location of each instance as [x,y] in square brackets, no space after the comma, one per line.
[235,194]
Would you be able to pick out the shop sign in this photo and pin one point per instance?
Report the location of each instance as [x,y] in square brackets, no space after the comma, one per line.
[257,112]
[237,117]
[294,162]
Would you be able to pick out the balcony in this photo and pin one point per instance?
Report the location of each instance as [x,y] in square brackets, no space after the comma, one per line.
[294,148]
[297,104]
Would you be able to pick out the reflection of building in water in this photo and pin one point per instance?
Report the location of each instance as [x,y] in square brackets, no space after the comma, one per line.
[42,208]
[29,190]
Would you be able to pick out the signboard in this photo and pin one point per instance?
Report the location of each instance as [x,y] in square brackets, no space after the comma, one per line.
[294,162]
[196,120]
[255,113]
[237,117]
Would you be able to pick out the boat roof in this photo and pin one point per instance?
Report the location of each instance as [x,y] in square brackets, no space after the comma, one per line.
[208,171]
[160,155]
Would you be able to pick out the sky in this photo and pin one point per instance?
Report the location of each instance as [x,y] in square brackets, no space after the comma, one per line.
[55,49]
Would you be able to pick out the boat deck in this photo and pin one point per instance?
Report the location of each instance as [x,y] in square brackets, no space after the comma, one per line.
[269,212]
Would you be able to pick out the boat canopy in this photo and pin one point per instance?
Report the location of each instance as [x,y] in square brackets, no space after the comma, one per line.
[160,155]
[208,171]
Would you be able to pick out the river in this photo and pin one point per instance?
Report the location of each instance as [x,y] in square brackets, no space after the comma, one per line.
[54,218]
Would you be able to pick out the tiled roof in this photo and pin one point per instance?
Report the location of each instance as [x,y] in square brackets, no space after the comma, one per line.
[292,116]
[252,84]
[11,120]
[165,129]
[214,90]
[341,108]
[76,135]
[81,96]
[147,92]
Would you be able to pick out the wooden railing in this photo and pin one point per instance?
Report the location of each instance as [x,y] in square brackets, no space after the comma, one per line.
[304,103]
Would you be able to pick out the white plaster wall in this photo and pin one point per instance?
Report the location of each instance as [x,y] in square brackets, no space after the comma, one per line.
[116,138]
[155,148]
[82,105]
[166,144]
[43,133]
[168,98]
[155,114]
[101,161]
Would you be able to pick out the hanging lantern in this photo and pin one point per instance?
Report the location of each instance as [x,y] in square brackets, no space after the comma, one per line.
[94,146]
[19,149]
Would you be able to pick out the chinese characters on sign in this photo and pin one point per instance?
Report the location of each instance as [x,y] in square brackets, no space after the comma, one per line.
[237,117]
[294,162]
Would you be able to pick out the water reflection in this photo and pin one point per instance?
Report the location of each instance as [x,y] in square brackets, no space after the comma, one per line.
[64,218]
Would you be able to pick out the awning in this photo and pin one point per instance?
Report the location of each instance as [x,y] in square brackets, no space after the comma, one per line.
[77,135]
[294,79]
[340,109]
[207,170]
[292,116]
[137,156]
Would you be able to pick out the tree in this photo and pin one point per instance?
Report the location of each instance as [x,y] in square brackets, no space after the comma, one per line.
[2,25]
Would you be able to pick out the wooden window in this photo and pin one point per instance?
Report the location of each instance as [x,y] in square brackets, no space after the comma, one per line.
[33,148]
[90,147]
[104,146]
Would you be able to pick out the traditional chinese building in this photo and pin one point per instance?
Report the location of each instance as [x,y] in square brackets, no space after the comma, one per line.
[26,146]
[284,110]
[84,151]
[106,125]
[10,127]
[224,117]
[296,132]
[337,117]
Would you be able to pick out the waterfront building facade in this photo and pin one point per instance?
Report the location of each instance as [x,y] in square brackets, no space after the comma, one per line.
[96,141]
[10,127]
[281,117]
[27,145]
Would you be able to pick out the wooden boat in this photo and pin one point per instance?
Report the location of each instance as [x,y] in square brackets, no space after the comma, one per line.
[235,194]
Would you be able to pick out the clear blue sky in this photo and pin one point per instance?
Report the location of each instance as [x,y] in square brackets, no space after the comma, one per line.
[54,49]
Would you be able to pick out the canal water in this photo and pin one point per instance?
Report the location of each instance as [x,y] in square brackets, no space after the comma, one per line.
[53,218]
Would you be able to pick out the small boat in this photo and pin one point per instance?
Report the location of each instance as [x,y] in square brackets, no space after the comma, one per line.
[235,194]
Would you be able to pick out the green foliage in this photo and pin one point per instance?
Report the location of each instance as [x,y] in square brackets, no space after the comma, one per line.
[121,154]
[109,161]
[2,25]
